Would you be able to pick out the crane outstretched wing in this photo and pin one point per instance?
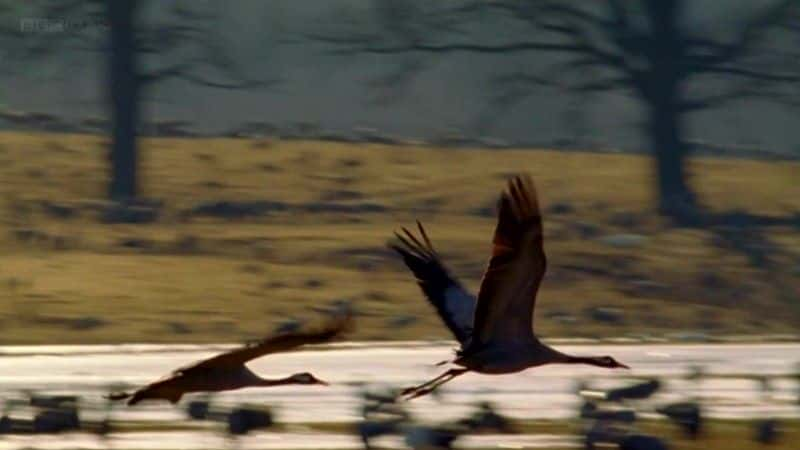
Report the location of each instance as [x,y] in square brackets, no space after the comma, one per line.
[507,295]
[278,343]
[454,304]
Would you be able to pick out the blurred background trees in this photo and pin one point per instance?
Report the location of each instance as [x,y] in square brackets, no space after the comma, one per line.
[142,43]
[673,58]
[652,49]
[378,102]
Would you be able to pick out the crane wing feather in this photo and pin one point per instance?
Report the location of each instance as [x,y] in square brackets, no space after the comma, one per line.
[453,303]
[274,344]
[507,295]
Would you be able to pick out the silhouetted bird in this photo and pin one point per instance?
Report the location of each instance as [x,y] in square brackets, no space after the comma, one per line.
[51,401]
[635,392]
[642,442]
[228,371]
[430,437]
[244,419]
[383,404]
[767,431]
[370,429]
[486,419]
[797,377]
[495,332]
[590,410]
[56,420]
[198,409]
[382,415]
[8,424]
[55,413]
[686,414]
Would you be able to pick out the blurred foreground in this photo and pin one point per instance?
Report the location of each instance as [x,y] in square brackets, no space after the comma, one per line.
[735,388]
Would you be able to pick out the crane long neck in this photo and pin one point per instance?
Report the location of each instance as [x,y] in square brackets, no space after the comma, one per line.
[556,356]
[590,360]
[275,381]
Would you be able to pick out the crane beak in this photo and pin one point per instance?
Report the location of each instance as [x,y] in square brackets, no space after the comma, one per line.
[623,366]
[324,383]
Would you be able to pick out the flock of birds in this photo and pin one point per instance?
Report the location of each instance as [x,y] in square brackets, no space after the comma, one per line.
[495,336]
[494,330]
[608,417]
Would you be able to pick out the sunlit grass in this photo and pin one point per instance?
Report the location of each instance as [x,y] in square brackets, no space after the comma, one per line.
[198,279]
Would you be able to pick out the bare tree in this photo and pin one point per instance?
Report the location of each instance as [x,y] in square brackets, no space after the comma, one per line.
[177,41]
[644,47]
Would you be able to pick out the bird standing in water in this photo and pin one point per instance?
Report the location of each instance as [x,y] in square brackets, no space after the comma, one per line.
[495,331]
[228,371]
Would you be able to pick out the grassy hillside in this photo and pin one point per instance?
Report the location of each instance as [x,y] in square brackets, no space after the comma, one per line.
[254,232]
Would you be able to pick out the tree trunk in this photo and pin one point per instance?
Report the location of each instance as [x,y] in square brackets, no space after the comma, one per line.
[124,95]
[663,93]
[675,197]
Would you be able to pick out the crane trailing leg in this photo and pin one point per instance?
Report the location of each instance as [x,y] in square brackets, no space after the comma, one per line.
[430,386]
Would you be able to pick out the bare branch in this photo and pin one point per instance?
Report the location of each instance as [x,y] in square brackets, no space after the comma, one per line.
[514,47]
[524,78]
[751,35]
[239,84]
[189,69]
[752,74]
[630,53]
[161,39]
[749,90]
[603,85]
[535,11]
[165,73]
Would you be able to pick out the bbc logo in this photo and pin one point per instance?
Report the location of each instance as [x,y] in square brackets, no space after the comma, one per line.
[44,25]
[34,25]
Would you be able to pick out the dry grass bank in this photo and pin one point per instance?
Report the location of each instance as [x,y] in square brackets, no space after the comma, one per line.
[307,222]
